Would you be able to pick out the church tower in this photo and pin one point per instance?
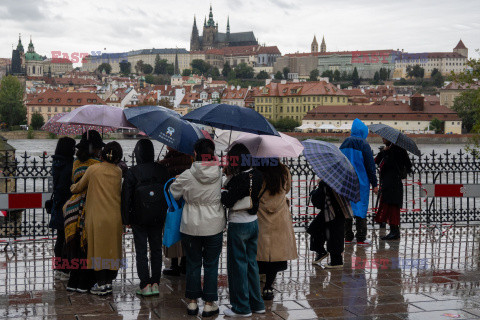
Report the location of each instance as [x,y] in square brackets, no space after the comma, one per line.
[323,46]
[227,35]
[314,44]
[210,31]
[195,38]
[461,49]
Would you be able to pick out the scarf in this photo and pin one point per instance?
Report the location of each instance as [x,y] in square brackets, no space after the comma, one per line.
[74,209]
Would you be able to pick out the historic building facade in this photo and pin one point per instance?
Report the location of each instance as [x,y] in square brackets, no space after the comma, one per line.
[211,38]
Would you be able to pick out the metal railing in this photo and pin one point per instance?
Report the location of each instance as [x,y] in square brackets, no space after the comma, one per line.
[25,173]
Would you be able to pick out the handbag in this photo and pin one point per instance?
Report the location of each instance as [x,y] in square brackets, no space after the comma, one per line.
[246,202]
[171,233]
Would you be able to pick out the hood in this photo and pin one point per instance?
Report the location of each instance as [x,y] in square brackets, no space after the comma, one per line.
[144,152]
[359,129]
[204,173]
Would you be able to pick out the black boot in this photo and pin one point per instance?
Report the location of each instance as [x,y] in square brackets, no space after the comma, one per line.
[174,269]
[393,235]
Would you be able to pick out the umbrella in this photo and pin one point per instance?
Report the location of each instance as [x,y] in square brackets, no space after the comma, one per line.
[396,137]
[97,115]
[223,137]
[161,124]
[331,165]
[270,146]
[230,117]
[66,129]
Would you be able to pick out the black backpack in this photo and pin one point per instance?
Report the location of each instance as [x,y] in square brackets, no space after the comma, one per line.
[149,204]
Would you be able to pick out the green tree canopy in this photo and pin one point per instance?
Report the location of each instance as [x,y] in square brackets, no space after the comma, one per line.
[125,67]
[160,65]
[437,125]
[355,78]
[467,105]
[262,75]
[336,75]
[434,72]
[285,124]
[12,110]
[438,80]
[286,71]
[278,75]
[186,72]
[243,71]
[105,66]
[147,68]
[314,75]
[37,121]
[226,69]
[328,74]
[200,66]
[416,71]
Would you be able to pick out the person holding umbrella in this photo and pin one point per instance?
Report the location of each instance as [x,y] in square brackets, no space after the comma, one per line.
[358,151]
[394,164]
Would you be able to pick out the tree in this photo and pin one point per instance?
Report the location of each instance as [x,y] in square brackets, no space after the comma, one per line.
[12,110]
[170,69]
[437,125]
[355,77]
[438,79]
[156,65]
[286,71]
[186,72]
[37,121]
[336,75]
[376,77]
[314,75]
[125,67]
[467,105]
[231,75]
[105,66]
[164,102]
[328,74]
[383,74]
[199,66]
[263,75]
[278,75]
[139,66]
[226,69]
[344,76]
[434,72]
[415,71]
[147,68]
[285,124]
[160,65]
[243,71]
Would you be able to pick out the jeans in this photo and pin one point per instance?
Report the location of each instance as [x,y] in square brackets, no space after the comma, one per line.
[243,278]
[153,235]
[361,224]
[202,250]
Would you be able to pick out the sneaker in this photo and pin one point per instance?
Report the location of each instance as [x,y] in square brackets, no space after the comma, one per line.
[192,309]
[147,291]
[333,266]
[80,290]
[319,257]
[230,313]
[71,289]
[365,242]
[267,294]
[259,311]
[98,290]
[108,288]
[210,310]
[64,276]
[155,290]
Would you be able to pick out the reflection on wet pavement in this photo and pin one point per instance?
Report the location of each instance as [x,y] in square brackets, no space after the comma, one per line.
[422,276]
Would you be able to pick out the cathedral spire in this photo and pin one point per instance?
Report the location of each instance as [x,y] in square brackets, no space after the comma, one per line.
[323,46]
[195,38]
[228,24]
[314,45]
[20,45]
[211,22]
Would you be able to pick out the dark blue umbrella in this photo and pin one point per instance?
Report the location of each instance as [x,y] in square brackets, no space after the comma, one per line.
[331,165]
[166,126]
[396,137]
[230,117]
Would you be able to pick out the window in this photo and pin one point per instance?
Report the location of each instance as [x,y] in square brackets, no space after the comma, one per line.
[395,123]
[56,109]
[79,100]
[331,99]
[338,99]
[49,109]
[50,100]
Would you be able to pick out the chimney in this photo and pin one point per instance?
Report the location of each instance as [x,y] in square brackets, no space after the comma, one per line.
[417,102]
[283,82]
[238,88]
[338,86]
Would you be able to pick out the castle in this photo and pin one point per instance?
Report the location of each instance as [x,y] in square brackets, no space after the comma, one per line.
[211,38]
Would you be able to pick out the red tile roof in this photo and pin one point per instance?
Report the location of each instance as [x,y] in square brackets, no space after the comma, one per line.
[61,98]
[460,45]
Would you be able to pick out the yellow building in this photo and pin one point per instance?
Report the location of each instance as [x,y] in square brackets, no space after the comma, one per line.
[294,99]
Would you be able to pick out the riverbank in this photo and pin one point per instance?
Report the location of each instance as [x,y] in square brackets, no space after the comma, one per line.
[330,137]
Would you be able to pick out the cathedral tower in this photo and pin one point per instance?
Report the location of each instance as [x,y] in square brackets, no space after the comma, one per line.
[323,46]
[314,44]
[195,38]
[461,49]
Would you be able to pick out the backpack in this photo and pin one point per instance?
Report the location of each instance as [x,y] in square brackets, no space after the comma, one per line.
[149,205]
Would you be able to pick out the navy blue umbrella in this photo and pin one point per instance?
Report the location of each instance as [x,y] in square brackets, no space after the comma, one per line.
[166,126]
[396,137]
[230,117]
[331,165]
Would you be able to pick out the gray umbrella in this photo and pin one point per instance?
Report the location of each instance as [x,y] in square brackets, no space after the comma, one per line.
[396,137]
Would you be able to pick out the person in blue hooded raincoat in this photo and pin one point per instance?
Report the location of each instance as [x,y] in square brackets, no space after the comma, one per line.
[358,151]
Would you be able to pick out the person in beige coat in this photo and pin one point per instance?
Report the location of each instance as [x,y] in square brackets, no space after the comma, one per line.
[103,220]
[276,239]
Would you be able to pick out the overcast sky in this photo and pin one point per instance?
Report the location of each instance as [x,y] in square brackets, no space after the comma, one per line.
[123,25]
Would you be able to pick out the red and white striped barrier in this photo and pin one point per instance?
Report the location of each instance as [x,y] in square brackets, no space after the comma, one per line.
[34,200]
[451,190]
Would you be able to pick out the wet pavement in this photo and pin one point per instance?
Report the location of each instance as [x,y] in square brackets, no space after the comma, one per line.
[425,275]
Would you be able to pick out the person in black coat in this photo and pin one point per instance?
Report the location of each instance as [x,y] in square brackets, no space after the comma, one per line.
[394,164]
[144,208]
[62,165]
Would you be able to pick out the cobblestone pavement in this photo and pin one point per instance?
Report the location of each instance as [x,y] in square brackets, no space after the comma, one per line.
[425,275]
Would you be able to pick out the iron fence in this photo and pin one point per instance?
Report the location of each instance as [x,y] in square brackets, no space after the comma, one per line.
[25,173]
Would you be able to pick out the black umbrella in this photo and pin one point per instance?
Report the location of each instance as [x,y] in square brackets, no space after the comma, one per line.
[396,137]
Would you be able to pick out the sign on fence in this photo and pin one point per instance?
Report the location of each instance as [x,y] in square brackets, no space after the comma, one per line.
[451,190]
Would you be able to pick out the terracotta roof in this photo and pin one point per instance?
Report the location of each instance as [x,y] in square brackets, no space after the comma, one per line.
[381,111]
[299,89]
[353,92]
[460,45]
[61,98]
[235,94]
